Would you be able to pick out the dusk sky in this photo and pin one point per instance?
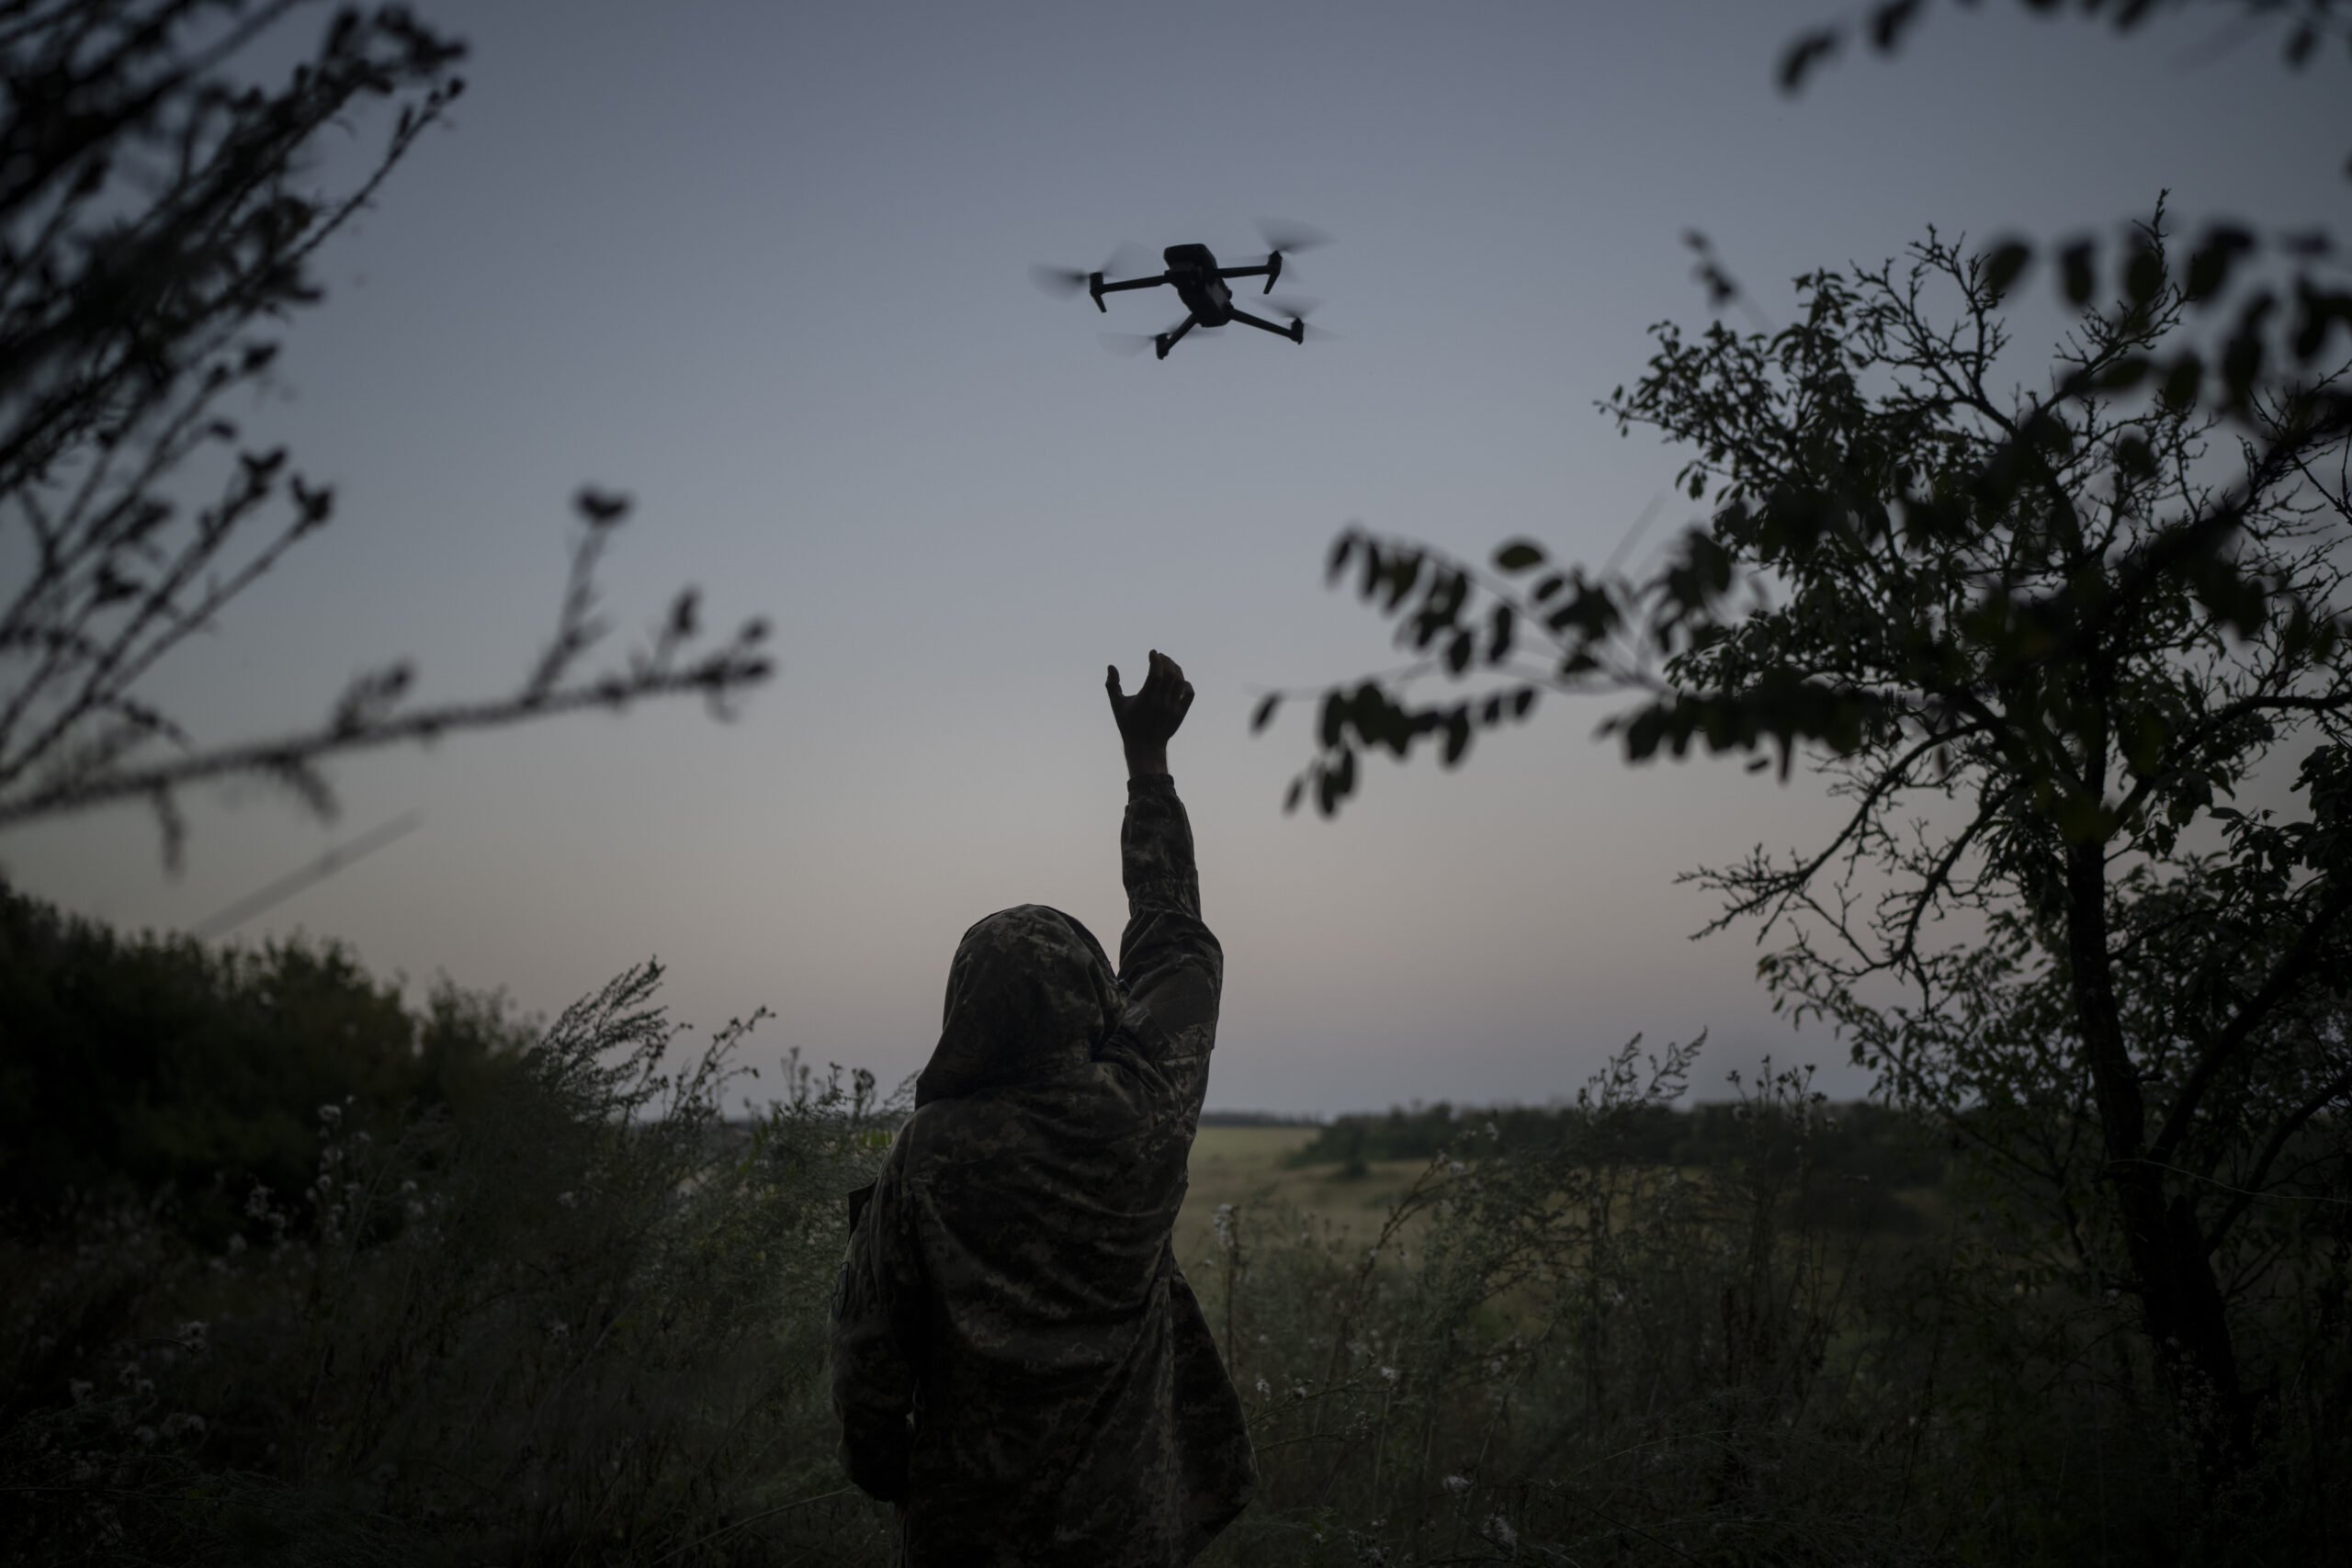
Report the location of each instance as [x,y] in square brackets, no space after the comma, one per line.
[764,268]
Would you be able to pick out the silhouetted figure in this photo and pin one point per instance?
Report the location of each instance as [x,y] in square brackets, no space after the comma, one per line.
[1018,1361]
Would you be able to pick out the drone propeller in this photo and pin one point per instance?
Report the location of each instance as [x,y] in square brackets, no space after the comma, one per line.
[1129,260]
[1126,343]
[1298,308]
[1060,280]
[1289,237]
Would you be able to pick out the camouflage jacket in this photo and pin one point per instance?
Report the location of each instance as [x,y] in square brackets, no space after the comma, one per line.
[1018,1361]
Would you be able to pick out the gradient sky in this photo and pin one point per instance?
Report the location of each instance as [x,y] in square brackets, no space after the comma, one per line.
[763,267]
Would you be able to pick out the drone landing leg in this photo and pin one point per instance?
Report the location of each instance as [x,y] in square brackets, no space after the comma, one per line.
[1294,332]
[1167,341]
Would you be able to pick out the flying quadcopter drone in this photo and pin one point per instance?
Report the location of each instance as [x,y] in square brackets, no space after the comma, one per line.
[1201,284]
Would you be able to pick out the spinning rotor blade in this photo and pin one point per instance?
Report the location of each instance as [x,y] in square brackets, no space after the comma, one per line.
[1299,308]
[1124,344]
[1289,236]
[1057,280]
[1130,260]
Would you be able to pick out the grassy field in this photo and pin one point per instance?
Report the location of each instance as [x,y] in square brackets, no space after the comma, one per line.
[1246,1165]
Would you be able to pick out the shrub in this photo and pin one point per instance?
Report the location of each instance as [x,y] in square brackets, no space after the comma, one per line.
[1566,1349]
[574,1316]
[139,1062]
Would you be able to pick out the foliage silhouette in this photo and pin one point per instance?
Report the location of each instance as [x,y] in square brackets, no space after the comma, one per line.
[157,1063]
[157,221]
[1971,609]
[2036,639]
[569,1314]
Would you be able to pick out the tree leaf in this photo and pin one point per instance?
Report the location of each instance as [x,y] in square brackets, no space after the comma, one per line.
[2004,265]
[2075,266]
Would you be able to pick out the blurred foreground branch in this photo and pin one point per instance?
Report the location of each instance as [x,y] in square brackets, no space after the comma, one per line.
[157,218]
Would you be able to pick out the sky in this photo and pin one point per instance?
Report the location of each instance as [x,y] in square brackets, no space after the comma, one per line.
[764,268]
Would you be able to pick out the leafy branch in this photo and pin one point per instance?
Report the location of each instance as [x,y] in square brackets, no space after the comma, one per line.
[157,221]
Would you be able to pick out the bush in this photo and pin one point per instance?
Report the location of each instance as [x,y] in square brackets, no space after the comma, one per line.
[558,1309]
[574,1316]
[136,1063]
[1568,1349]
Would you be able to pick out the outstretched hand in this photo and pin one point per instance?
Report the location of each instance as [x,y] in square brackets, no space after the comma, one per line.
[1148,718]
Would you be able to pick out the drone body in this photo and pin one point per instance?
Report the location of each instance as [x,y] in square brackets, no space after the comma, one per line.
[1202,285]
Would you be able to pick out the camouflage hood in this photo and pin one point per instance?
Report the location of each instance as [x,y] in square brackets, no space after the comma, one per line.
[1029,994]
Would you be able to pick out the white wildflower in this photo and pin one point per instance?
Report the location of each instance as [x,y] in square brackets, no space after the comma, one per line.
[1499,1529]
[568,1200]
[1262,1387]
[1388,1374]
[331,1115]
[1457,1485]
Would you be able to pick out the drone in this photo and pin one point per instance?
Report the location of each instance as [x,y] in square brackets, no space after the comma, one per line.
[1202,285]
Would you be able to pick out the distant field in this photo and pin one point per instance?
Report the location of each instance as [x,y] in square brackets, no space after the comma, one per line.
[1244,1164]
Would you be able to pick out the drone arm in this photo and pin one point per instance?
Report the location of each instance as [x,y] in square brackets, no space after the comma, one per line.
[1101,289]
[1169,340]
[1292,332]
[1270,270]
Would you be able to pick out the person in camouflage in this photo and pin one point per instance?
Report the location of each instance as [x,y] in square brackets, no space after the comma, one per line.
[1018,1361]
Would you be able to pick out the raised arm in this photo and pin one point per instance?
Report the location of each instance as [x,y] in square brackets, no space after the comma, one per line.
[1170,964]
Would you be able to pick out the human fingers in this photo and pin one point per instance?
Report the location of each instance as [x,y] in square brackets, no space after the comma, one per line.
[1111,689]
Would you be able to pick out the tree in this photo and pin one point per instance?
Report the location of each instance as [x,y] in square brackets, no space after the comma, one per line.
[1970,608]
[158,220]
[2062,619]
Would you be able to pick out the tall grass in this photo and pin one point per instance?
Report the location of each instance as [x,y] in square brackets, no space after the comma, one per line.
[1567,1352]
[573,1314]
[575,1318]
